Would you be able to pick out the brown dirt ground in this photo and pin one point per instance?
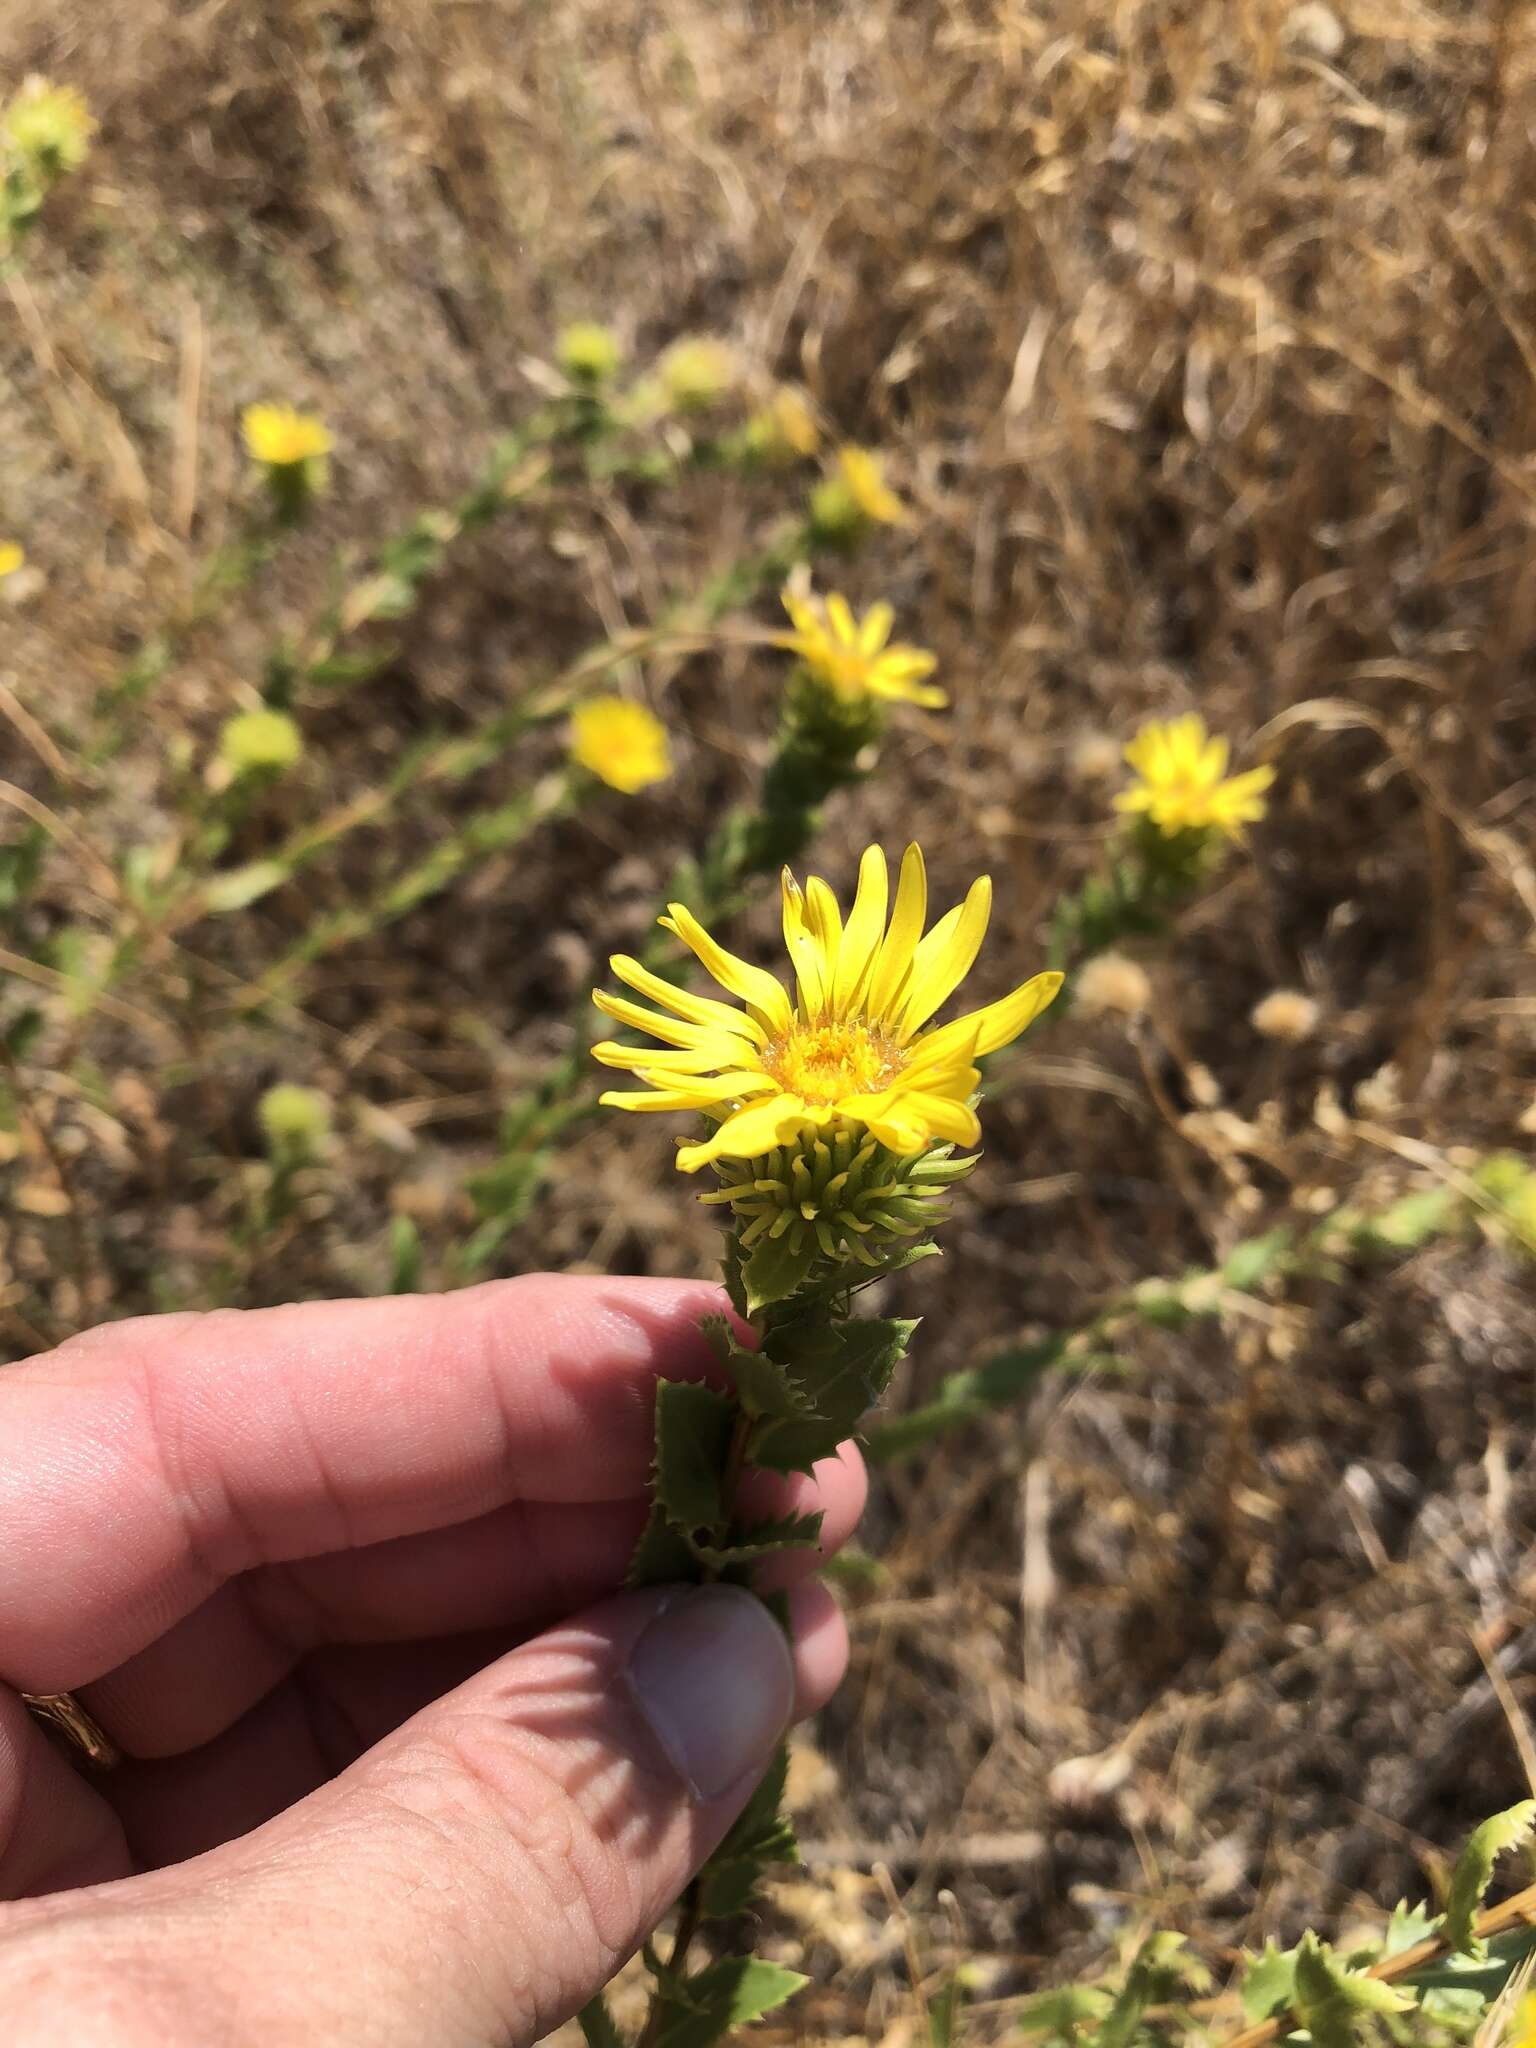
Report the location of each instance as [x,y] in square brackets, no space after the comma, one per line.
[1205,336]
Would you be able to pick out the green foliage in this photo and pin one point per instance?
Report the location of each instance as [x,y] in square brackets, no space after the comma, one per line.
[1310,1992]
[693,1435]
[697,2010]
[1474,1869]
[760,1838]
[1330,1999]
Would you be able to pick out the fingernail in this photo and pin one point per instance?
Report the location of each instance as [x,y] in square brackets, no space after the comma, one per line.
[712,1675]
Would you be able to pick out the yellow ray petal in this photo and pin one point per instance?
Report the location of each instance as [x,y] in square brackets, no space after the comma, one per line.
[806,953]
[683,1003]
[876,628]
[888,977]
[840,618]
[754,985]
[946,956]
[674,1092]
[748,1134]
[693,1060]
[729,1049]
[987,1031]
[863,931]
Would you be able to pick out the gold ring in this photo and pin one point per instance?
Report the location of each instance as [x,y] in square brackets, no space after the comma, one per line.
[62,1714]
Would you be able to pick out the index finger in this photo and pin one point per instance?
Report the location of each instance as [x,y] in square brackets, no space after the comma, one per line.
[147,1463]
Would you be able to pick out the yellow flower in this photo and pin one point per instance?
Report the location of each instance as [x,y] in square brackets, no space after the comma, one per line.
[1184,785]
[1522,2033]
[588,352]
[851,1050]
[264,741]
[863,473]
[851,655]
[785,427]
[12,558]
[620,742]
[51,125]
[697,372]
[280,438]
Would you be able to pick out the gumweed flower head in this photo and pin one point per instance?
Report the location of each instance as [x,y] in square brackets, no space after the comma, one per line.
[261,743]
[697,372]
[855,497]
[1182,784]
[853,656]
[50,126]
[784,430]
[588,352]
[12,557]
[850,1051]
[278,437]
[621,743]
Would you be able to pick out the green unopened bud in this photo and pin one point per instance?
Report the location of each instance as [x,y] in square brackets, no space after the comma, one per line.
[588,352]
[261,743]
[837,1194]
[295,1122]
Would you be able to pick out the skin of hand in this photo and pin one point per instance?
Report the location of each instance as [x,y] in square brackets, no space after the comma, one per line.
[401,1763]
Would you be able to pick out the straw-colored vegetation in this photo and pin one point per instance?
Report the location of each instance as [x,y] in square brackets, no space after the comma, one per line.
[417,419]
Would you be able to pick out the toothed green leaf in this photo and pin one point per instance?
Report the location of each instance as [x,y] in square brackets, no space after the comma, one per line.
[1270,1983]
[1331,2000]
[693,1437]
[1474,1869]
[662,1557]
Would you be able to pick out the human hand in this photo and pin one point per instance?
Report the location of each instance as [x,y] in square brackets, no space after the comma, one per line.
[400,1765]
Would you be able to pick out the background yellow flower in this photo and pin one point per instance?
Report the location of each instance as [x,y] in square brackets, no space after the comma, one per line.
[853,656]
[281,437]
[622,743]
[12,557]
[1182,782]
[50,125]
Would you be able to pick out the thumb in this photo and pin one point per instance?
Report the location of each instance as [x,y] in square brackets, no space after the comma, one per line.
[474,1878]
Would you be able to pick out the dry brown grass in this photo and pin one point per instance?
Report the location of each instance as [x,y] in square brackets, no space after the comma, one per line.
[1206,333]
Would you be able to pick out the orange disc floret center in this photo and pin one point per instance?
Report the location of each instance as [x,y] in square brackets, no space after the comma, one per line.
[823,1063]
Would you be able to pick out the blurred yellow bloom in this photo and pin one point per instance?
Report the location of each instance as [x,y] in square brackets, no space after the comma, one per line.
[261,740]
[852,656]
[622,743]
[785,427]
[1183,785]
[863,474]
[850,1050]
[588,352]
[1522,2032]
[12,557]
[280,438]
[697,372]
[50,125]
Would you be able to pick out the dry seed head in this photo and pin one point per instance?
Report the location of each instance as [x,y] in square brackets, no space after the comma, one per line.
[1113,982]
[1285,1013]
[1314,28]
